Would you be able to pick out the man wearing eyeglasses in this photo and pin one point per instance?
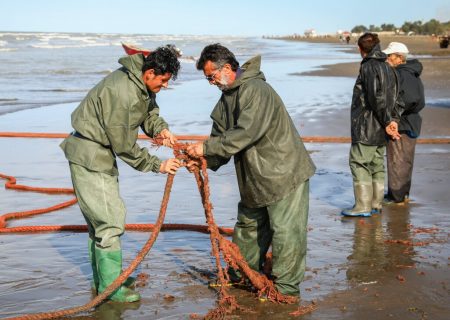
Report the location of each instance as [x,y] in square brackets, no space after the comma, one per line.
[251,124]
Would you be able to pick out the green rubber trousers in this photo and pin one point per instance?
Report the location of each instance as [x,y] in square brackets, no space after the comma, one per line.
[282,225]
[367,163]
[101,205]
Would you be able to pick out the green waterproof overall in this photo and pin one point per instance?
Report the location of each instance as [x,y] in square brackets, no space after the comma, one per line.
[367,163]
[102,207]
[106,125]
[104,211]
[282,225]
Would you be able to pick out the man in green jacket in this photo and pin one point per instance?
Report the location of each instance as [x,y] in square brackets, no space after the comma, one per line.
[251,124]
[106,126]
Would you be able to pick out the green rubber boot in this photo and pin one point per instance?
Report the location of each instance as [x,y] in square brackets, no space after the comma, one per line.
[91,250]
[109,267]
[363,201]
[129,283]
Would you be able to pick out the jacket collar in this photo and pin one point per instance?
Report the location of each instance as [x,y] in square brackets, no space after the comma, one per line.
[249,70]
[133,65]
[376,53]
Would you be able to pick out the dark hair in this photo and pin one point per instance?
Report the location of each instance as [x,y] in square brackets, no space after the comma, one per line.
[368,41]
[162,60]
[219,55]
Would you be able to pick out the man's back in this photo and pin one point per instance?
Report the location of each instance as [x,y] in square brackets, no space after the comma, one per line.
[412,93]
[374,97]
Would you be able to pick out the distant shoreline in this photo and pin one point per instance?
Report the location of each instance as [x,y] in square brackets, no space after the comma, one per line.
[418,45]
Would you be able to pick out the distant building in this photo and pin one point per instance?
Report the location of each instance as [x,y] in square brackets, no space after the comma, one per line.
[310,33]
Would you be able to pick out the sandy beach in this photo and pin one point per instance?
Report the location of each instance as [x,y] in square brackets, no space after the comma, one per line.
[389,266]
[435,77]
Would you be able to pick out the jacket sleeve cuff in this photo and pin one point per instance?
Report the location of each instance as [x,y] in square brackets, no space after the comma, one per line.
[212,163]
[156,166]
[210,146]
[161,128]
[205,148]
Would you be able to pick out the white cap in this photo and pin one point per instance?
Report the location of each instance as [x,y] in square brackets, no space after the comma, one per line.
[396,47]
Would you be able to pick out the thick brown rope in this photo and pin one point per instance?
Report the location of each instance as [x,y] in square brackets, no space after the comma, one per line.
[233,258]
[227,302]
[129,227]
[308,139]
[125,274]
[12,184]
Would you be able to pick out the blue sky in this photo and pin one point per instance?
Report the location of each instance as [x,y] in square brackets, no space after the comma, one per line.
[210,17]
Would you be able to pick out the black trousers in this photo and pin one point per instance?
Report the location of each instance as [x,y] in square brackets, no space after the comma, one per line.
[400,161]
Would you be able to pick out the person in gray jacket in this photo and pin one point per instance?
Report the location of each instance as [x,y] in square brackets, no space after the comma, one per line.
[106,126]
[251,124]
[400,153]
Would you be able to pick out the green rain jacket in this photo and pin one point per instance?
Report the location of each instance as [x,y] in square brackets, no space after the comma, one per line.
[251,123]
[107,122]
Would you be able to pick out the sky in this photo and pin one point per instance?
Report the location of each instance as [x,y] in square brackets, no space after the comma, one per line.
[209,17]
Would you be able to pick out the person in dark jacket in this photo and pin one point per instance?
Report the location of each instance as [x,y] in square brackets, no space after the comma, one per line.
[251,124]
[373,114]
[106,126]
[400,153]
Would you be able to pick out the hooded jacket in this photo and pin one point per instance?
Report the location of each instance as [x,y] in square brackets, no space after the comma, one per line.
[251,123]
[107,122]
[412,93]
[375,100]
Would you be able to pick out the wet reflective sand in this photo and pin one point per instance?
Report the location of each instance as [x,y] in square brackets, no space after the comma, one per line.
[354,271]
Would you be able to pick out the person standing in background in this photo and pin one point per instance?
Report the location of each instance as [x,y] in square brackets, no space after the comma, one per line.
[400,153]
[373,111]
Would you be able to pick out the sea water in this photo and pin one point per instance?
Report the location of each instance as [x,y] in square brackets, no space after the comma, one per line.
[48,69]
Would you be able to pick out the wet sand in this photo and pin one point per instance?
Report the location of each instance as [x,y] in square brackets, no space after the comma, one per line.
[435,75]
[435,123]
[353,271]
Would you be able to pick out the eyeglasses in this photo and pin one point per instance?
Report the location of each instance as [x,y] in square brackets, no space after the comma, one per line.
[212,75]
